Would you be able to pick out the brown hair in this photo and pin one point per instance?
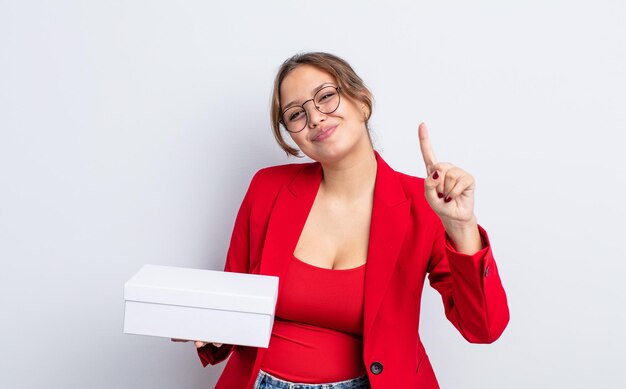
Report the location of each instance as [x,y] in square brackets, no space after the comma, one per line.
[351,84]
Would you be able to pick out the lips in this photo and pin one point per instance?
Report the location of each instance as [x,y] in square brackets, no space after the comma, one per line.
[324,133]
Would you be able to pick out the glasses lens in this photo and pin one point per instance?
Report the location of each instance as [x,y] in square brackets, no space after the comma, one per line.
[327,99]
[294,119]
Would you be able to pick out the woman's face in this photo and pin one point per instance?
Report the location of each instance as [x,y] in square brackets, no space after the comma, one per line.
[326,138]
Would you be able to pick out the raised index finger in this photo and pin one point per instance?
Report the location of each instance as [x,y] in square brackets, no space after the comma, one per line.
[427,151]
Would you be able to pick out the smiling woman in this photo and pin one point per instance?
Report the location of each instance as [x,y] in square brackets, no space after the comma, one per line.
[337,73]
[353,241]
[324,127]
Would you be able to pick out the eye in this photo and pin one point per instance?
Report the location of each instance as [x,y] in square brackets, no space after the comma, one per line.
[295,114]
[327,96]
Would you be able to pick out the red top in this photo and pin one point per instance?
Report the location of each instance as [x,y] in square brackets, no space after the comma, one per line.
[318,329]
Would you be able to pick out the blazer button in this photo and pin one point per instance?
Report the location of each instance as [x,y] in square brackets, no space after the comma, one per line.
[376,368]
[487,272]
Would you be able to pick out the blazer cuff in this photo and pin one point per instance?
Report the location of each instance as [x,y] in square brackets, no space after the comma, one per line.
[211,355]
[474,260]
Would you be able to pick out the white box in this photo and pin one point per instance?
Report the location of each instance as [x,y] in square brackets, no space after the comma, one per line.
[206,305]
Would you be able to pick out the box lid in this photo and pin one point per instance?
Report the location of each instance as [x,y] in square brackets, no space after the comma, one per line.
[203,289]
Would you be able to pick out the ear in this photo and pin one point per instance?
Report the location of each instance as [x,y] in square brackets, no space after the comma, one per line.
[367,112]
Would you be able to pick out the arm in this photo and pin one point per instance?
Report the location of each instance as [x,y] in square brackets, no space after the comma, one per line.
[470,286]
[461,267]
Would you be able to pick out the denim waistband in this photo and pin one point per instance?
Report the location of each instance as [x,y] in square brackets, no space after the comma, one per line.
[267,381]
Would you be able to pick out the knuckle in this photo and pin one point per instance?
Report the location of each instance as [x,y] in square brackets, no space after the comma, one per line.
[466,178]
[441,166]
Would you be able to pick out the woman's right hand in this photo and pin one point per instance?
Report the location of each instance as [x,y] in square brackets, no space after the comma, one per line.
[198,343]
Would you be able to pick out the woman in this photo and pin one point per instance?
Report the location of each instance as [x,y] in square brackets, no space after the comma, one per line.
[352,241]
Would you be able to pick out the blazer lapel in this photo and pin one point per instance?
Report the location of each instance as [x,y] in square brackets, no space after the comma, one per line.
[290,211]
[390,214]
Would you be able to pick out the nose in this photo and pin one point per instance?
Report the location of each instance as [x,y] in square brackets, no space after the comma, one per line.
[314,116]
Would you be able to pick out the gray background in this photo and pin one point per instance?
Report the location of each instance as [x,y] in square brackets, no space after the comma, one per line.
[130,131]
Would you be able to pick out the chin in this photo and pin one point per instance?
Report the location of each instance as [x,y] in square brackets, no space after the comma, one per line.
[329,155]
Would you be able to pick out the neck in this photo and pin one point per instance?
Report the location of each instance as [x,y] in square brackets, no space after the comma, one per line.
[352,177]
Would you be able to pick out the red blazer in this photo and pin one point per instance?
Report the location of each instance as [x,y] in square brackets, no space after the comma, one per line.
[407,242]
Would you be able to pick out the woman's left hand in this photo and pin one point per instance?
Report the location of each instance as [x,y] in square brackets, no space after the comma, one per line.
[449,190]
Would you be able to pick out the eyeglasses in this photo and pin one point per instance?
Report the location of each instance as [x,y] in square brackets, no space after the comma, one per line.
[325,100]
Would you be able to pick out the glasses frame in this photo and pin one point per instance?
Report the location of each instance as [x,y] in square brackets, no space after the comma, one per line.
[282,114]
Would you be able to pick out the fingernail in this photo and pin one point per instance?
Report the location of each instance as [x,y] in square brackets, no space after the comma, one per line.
[448,199]
[435,175]
[440,195]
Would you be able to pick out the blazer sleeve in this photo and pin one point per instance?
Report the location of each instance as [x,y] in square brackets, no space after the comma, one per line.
[471,289]
[237,260]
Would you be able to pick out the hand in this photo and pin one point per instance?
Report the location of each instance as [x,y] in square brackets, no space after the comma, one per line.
[449,190]
[198,343]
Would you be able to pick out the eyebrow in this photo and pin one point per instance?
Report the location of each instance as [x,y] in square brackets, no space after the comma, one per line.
[314,92]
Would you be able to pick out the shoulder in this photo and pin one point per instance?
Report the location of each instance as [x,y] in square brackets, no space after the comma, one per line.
[273,175]
[411,184]
[267,181]
[413,188]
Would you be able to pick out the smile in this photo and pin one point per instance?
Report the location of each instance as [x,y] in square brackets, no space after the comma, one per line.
[324,134]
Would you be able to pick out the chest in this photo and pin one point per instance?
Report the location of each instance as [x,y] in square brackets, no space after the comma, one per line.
[336,233]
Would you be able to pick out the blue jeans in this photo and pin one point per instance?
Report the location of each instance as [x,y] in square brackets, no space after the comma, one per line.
[266,381]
